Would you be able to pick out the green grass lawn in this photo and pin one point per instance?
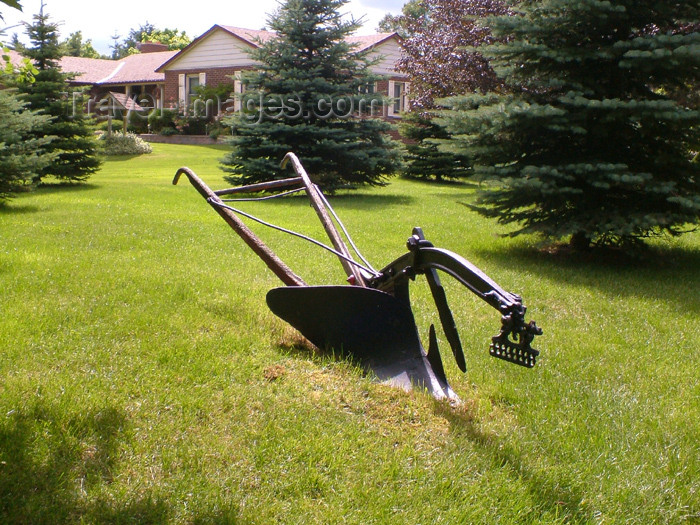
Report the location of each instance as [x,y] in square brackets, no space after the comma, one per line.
[143,379]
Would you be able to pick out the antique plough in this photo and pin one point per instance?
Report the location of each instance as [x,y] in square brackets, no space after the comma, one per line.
[371,318]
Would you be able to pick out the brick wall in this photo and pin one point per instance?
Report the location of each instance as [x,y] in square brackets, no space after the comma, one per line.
[215,76]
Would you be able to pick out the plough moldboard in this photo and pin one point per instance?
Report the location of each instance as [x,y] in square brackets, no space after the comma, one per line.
[371,318]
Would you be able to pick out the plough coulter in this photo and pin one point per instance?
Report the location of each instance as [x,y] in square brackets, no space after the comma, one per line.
[370,319]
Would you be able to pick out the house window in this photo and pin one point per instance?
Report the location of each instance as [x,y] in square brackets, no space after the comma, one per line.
[368,89]
[192,85]
[399,96]
[369,102]
[398,91]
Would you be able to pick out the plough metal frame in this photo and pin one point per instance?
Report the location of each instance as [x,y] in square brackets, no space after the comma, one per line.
[372,319]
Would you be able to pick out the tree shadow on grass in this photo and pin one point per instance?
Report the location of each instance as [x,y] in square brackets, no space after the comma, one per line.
[8,208]
[48,459]
[668,274]
[462,184]
[144,511]
[12,207]
[554,497]
[62,187]
[120,158]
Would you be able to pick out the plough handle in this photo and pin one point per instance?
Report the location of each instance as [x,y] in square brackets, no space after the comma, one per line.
[314,194]
[278,267]
[262,186]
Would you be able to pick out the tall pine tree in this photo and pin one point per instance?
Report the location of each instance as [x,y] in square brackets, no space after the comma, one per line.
[74,143]
[21,152]
[589,146]
[304,99]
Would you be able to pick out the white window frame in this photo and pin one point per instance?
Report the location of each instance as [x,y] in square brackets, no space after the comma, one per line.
[238,90]
[189,93]
[185,88]
[399,103]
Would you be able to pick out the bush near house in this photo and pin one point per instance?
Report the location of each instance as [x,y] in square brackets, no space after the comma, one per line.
[124,144]
[162,118]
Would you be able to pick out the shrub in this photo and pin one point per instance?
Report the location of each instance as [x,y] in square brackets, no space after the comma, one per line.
[160,119]
[137,123]
[103,124]
[132,126]
[129,144]
[216,130]
[168,131]
[191,125]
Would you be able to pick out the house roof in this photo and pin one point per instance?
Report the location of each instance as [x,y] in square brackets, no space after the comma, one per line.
[88,70]
[368,41]
[249,35]
[124,102]
[252,37]
[133,69]
[15,57]
[142,67]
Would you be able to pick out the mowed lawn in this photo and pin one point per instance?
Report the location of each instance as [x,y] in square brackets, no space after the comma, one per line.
[144,380]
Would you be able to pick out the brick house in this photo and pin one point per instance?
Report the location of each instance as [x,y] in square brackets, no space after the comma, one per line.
[220,55]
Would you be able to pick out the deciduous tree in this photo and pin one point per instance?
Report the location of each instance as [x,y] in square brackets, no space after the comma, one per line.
[441,58]
[414,14]
[441,51]
[12,3]
[147,32]
[75,46]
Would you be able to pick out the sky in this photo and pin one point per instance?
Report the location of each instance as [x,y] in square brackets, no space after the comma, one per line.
[98,21]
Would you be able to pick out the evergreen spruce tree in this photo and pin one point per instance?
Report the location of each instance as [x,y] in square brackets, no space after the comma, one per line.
[21,152]
[429,154]
[304,99]
[21,155]
[589,145]
[74,143]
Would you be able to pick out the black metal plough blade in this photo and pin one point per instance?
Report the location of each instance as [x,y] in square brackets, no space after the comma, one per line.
[370,326]
[371,319]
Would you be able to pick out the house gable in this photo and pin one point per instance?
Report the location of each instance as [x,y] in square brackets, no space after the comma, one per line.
[218,48]
[388,53]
